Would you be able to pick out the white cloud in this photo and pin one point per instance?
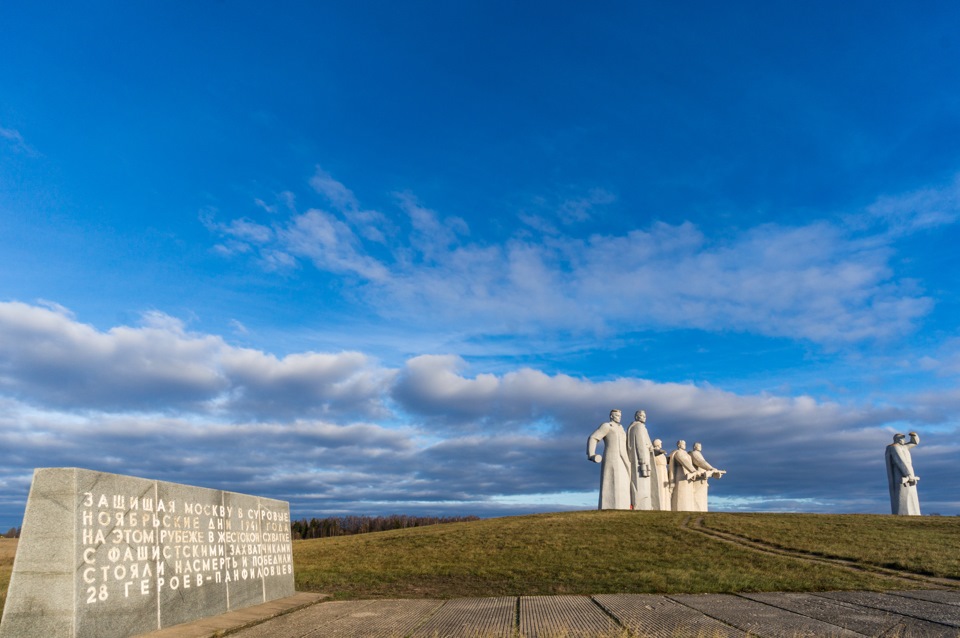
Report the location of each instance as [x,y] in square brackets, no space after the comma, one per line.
[341,197]
[15,140]
[919,210]
[431,238]
[801,282]
[330,244]
[303,383]
[47,357]
[580,209]
[817,282]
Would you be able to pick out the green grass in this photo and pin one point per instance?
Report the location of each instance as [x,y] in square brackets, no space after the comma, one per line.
[566,553]
[8,549]
[614,552]
[920,544]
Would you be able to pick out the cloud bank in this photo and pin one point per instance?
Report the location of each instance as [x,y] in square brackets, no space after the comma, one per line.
[338,432]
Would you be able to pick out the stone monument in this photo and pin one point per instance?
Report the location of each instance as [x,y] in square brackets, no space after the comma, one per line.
[682,477]
[662,481]
[110,556]
[900,477]
[707,472]
[643,468]
[615,465]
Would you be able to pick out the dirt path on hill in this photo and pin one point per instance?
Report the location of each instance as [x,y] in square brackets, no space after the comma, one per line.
[695,524]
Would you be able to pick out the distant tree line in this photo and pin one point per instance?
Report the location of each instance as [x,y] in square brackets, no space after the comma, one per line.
[13,532]
[348,525]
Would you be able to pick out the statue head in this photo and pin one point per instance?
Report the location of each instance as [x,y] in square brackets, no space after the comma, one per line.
[640,416]
[657,443]
[681,445]
[697,446]
[615,416]
[899,437]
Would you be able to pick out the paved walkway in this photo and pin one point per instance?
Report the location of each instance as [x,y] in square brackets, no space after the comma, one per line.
[900,614]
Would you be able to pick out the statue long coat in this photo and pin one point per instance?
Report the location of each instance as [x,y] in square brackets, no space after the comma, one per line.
[680,467]
[615,466]
[662,484]
[644,494]
[700,486]
[903,498]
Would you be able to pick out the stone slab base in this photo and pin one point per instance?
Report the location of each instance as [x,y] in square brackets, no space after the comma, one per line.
[643,616]
[236,620]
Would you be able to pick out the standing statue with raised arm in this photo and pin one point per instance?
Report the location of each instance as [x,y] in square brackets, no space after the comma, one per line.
[700,485]
[900,477]
[682,477]
[643,470]
[615,465]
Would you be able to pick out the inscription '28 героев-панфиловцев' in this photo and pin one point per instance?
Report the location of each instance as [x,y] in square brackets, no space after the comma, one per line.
[110,556]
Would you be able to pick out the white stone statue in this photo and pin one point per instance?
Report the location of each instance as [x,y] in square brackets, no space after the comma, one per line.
[643,477]
[682,477]
[700,485]
[661,478]
[900,476]
[615,465]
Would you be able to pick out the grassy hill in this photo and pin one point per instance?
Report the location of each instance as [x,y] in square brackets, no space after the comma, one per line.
[627,552]
[622,552]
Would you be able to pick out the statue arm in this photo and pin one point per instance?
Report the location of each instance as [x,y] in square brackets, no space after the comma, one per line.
[899,462]
[684,460]
[700,462]
[592,443]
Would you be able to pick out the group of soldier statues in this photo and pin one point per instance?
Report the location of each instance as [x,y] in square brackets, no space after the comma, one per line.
[637,473]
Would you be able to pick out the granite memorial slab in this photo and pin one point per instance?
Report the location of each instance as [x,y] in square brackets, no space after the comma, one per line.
[110,556]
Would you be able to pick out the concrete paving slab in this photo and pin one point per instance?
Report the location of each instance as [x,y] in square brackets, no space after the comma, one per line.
[922,609]
[234,620]
[472,618]
[913,628]
[564,616]
[305,621]
[945,596]
[864,620]
[380,619]
[760,619]
[651,616]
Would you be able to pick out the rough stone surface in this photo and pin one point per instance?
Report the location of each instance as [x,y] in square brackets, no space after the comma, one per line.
[946,596]
[562,616]
[863,620]
[944,614]
[472,617]
[305,622]
[232,621]
[642,615]
[761,619]
[653,616]
[109,556]
[380,619]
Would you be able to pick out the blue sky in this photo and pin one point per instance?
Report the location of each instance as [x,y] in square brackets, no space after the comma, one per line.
[376,257]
